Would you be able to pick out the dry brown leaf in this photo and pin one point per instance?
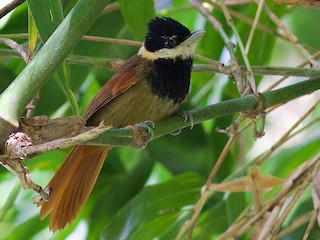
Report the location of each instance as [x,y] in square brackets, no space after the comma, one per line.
[262,182]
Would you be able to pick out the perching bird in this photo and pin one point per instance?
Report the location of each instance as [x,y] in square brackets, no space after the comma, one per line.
[149,86]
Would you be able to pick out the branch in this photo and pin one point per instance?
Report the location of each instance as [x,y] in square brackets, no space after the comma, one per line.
[16,151]
[211,68]
[123,137]
[17,47]
[51,134]
[263,70]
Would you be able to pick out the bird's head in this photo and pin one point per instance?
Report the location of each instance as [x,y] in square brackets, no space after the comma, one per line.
[167,38]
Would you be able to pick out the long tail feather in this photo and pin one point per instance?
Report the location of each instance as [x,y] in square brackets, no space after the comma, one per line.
[72,185]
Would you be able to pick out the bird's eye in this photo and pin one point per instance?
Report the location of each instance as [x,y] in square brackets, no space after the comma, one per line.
[170,43]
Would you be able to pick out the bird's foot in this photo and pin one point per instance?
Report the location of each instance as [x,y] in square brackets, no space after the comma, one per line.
[140,137]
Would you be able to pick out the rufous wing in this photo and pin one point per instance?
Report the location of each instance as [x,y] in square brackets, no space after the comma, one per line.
[118,84]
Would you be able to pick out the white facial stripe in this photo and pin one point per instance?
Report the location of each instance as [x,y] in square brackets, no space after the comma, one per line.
[182,51]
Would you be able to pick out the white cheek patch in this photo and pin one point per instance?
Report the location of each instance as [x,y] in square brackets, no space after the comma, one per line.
[181,51]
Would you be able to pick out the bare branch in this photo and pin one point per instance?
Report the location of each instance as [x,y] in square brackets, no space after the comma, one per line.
[9,7]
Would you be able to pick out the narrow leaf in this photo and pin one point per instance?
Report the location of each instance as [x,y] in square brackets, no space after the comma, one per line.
[33,33]
[47,16]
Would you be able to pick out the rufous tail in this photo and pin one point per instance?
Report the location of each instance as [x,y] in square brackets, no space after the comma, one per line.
[72,185]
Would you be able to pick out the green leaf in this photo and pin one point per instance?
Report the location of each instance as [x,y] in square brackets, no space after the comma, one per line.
[33,33]
[159,204]
[306,17]
[288,159]
[10,201]
[213,221]
[47,16]
[113,192]
[137,14]
[120,187]
[164,226]
[188,151]
[27,229]
[63,84]
[235,204]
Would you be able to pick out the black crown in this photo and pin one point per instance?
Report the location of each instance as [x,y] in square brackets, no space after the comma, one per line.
[165,32]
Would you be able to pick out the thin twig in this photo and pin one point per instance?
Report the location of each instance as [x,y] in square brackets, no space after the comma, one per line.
[235,69]
[262,226]
[292,38]
[255,190]
[249,74]
[292,181]
[17,47]
[112,40]
[84,38]
[248,20]
[220,160]
[315,55]
[215,23]
[294,200]
[110,8]
[285,136]
[8,167]
[9,7]
[295,224]
[312,221]
[197,210]
[206,192]
[308,56]
[254,25]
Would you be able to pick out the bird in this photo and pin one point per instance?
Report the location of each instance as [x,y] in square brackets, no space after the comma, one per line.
[149,86]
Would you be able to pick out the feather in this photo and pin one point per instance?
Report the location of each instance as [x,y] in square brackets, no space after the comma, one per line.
[118,84]
[72,184]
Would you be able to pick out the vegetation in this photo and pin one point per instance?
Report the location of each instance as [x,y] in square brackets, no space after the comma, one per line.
[204,182]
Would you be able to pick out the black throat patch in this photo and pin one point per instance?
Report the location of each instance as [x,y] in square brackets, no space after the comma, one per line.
[170,78]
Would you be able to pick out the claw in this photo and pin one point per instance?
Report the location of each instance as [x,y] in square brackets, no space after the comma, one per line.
[176,133]
[187,117]
[147,125]
[141,138]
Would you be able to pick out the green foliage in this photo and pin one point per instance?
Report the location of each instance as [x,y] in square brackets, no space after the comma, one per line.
[150,194]
[163,206]
[137,22]
[48,15]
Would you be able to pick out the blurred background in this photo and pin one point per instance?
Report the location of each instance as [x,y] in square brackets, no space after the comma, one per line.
[150,193]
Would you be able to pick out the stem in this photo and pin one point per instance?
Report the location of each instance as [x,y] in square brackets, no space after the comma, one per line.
[254,25]
[213,67]
[123,136]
